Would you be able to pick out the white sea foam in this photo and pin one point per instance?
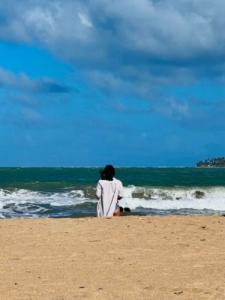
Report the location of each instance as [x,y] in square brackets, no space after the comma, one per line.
[22,196]
[174,198]
[26,203]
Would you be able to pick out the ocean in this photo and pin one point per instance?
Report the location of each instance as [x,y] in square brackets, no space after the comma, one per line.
[70,192]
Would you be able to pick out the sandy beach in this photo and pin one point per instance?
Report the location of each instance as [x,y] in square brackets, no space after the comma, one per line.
[120,258]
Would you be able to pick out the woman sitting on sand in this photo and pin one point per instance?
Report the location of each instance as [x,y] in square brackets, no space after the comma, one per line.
[109,192]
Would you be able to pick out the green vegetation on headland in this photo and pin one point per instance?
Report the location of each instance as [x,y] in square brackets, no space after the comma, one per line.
[218,162]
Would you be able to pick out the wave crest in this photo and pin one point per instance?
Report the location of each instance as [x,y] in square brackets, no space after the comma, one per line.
[27,203]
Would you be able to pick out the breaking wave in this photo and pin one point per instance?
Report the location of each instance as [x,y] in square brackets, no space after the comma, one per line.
[175,198]
[145,200]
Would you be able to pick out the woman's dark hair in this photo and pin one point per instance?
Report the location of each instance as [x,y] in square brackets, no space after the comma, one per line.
[108,173]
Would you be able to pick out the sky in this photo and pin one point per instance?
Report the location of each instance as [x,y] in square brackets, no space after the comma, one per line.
[131,83]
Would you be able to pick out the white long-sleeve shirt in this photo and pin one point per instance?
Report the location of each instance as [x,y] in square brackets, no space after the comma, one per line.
[108,193]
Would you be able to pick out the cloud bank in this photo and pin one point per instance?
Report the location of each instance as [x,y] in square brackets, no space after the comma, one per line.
[25,84]
[147,42]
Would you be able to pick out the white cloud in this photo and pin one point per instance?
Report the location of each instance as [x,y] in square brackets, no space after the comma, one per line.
[42,20]
[160,28]
[85,20]
[173,108]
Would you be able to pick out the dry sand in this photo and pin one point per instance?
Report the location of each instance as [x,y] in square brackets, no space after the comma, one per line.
[120,258]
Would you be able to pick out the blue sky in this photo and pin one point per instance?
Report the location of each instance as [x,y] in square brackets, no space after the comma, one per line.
[133,83]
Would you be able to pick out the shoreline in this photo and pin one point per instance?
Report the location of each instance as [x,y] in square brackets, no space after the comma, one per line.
[133,257]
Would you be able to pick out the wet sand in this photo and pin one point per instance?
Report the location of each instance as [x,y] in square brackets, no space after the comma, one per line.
[120,258]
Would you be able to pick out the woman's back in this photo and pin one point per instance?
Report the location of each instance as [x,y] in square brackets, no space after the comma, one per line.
[108,192]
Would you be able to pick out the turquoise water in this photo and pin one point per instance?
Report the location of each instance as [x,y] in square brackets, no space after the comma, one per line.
[59,178]
[70,192]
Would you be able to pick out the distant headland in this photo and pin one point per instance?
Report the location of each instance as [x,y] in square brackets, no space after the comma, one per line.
[218,162]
